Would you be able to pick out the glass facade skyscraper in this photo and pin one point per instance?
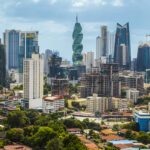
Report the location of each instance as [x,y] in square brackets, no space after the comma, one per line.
[122,37]
[2,66]
[11,42]
[28,45]
[77,44]
[143,57]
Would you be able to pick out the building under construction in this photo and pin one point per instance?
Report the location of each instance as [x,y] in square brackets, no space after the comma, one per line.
[60,87]
[103,81]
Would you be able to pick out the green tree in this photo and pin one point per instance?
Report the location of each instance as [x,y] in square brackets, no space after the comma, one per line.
[40,138]
[17,119]
[129,134]
[131,126]
[55,144]
[73,123]
[143,137]
[32,116]
[42,120]
[15,135]
[71,142]
[30,130]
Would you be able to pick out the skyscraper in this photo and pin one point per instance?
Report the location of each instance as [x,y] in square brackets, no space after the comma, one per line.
[122,53]
[77,44]
[89,60]
[98,47]
[11,42]
[2,66]
[33,77]
[28,45]
[143,57]
[122,37]
[47,55]
[104,41]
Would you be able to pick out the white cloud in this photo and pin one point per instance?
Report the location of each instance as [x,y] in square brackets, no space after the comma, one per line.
[83,3]
[117,3]
[36,1]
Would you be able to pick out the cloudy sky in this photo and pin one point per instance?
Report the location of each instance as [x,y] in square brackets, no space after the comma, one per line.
[54,19]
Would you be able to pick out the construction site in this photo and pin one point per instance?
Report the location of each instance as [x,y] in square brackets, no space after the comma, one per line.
[60,87]
[103,81]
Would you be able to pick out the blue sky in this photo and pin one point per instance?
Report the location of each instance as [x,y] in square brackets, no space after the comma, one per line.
[54,19]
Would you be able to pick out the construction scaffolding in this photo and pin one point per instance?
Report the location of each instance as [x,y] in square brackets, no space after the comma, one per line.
[60,87]
[103,81]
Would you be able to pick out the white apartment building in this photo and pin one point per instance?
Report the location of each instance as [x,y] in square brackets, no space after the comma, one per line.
[120,104]
[132,95]
[98,104]
[33,77]
[90,60]
[52,104]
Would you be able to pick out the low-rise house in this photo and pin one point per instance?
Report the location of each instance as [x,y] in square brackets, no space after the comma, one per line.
[107,132]
[112,137]
[16,147]
[89,144]
[74,130]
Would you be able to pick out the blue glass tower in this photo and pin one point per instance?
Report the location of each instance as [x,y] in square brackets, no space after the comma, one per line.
[122,37]
[29,45]
[11,42]
[143,57]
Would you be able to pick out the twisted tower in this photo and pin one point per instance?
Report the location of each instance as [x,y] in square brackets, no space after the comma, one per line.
[77,43]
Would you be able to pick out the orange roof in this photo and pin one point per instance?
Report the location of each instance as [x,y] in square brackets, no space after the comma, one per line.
[108,132]
[112,137]
[120,146]
[123,130]
[17,147]
[89,144]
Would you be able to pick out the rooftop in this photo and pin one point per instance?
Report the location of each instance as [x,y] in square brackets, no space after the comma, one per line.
[112,137]
[120,146]
[108,132]
[52,98]
[123,142]
[16,147]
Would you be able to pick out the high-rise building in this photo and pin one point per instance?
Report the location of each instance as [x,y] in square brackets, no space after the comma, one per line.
[89,60]
[28,45]
[47,55]
[122,53]
[54,64]
[11,42]
[104,40]
[111,44]
[98,48]
[77,44]
[33,77]
[131,79]
[2,66]
[84,59]
[122,37]
[143,57]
